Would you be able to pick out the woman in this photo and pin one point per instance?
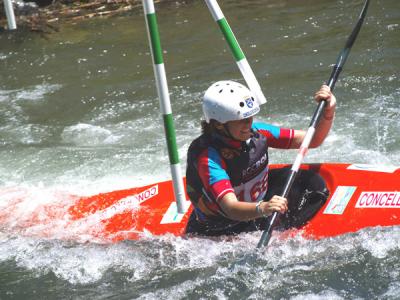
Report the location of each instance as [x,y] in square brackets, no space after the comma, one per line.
[228,179]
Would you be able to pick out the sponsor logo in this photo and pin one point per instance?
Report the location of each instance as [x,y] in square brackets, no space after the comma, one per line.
[256,166]
[147,194]
[339,200]
[172,215]
[372,168]
[379,200]
[249,102]
[251,112]
[130,202]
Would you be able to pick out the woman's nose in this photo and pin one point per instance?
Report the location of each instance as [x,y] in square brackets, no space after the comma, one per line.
[248,121]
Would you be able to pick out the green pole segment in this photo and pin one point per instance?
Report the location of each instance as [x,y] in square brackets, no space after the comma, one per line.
[237,52]
[165,103]
[230,38]
[171,139]
[154,36]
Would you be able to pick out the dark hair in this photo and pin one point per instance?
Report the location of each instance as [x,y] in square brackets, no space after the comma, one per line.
[209,128]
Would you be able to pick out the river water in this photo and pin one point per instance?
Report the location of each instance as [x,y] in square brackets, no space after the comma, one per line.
[79,114]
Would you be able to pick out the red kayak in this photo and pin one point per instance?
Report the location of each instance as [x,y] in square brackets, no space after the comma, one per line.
[360,196]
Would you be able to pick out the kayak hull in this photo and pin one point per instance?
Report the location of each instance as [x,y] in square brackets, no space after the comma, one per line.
[360,196]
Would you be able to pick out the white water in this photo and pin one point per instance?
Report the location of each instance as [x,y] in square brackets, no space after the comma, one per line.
[79,116]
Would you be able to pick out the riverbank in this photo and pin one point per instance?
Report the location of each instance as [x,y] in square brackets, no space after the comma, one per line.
[48,18]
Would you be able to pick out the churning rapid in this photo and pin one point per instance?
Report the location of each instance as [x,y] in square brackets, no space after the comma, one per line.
[79,115]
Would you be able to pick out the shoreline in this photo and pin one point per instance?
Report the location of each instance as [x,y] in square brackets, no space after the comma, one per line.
[48,18]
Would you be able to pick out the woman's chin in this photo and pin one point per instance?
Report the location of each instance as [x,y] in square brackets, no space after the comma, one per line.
[245,136]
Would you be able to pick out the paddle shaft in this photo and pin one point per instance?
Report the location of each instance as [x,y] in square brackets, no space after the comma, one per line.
[266,235]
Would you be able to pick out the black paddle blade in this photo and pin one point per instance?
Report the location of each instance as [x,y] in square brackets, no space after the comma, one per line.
[346,50]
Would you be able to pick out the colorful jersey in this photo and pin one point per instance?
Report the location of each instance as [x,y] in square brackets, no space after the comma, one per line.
[218,165]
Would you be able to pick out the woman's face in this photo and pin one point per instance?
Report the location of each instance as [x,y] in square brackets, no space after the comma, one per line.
[240,129]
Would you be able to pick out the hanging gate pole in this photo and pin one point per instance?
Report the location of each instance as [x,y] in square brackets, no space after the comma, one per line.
[165,104]
[237,52]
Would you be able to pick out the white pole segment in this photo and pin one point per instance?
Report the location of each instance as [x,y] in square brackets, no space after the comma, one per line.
[12,25]
[148,6]
[215,10]
[251,80]
[162,89]
[303,148]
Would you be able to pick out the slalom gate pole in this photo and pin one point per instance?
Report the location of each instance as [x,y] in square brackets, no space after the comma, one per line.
[12,25]
[165,104]
[266,235]
[237,52]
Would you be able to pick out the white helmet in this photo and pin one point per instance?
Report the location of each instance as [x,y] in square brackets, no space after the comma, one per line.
[228,101]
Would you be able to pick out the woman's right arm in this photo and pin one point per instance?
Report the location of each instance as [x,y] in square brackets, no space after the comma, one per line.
[245,211]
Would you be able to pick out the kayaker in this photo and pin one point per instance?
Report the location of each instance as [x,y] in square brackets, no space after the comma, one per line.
[228,178]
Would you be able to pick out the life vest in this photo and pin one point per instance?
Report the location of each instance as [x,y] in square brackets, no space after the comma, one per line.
[246,166]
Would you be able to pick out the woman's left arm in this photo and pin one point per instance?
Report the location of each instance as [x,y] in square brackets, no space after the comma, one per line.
[324,124]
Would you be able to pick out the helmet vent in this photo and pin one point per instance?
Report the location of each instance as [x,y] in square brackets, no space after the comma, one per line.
[241,104]
[220,91]
[231,91]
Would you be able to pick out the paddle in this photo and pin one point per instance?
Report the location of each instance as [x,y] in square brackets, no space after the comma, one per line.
[266,235]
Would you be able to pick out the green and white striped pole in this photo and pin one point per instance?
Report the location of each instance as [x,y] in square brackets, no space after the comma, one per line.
[165,104]
[237,52]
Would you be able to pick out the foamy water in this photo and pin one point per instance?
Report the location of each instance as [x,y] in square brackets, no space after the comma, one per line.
[79,115]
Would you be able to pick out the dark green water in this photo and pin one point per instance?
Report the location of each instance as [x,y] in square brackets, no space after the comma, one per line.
[79,115]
